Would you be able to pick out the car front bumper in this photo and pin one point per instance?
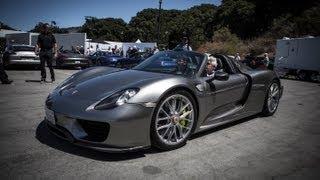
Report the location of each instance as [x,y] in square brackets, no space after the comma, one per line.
[127,128]
[73,62]
[66,135]
[24,61]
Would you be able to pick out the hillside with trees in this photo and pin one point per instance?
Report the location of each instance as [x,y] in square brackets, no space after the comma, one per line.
[234,26]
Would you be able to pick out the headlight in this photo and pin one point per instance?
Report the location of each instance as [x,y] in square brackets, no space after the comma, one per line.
[116,99]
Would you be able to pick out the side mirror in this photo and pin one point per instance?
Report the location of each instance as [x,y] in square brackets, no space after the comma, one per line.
[221,76]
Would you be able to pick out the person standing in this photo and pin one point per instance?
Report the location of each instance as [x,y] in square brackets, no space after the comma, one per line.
[48,50]
[266,60]
[237,57]
[155,50]
[3,75]
[184,45]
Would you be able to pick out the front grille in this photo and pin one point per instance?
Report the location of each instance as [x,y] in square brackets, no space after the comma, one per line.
[97,131]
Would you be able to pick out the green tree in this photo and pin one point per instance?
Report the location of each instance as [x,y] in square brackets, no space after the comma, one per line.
[5,26]
[52,26]
[239,16]
[113,29]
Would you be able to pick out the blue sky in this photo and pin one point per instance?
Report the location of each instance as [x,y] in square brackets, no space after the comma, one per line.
[24,14]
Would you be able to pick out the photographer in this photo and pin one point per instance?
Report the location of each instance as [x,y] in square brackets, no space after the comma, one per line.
[3,75]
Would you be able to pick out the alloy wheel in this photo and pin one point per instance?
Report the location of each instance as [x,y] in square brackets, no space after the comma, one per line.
[174,119]
[273,97]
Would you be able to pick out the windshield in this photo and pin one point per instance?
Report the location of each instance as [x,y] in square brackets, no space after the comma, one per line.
[23,48]
[173,62]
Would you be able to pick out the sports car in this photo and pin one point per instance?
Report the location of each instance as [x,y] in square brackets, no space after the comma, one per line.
[20,55]
[67,58]
[161,102]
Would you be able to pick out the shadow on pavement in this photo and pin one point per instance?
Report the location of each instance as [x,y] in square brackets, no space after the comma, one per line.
[225,126]
[45,137]
[23,68]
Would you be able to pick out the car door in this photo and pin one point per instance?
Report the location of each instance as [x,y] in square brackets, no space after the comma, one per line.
[230,91]
[226,95]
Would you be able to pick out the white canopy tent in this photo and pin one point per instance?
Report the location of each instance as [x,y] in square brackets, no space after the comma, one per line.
[142,46]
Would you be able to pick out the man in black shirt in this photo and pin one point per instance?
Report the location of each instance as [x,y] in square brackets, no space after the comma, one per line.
[48,49]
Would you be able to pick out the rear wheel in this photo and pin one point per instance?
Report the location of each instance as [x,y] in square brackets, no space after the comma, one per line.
[302,75]
[315,77]
[118,65]
[98,62]
[174,120]
[272,99]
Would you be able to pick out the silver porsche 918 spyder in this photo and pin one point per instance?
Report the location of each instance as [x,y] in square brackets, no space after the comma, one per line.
[160,102]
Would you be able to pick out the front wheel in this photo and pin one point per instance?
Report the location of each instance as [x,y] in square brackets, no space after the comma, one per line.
[272,99]
[173,121]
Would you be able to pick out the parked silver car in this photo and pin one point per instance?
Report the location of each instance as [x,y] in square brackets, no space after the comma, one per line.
[20,55]
[160,102]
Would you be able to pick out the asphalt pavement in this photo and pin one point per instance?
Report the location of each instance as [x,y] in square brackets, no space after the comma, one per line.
[283,146]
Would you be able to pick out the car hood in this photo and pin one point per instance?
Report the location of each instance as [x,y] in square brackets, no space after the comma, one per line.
[102,86]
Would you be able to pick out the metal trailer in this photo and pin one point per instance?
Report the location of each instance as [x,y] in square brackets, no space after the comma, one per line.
[299,57]
[21,38]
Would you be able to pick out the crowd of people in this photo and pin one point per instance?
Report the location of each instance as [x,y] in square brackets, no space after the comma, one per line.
[131,51]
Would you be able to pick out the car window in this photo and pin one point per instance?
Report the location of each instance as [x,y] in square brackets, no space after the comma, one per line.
[220,64]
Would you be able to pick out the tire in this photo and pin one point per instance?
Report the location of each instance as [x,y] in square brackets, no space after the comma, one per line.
[302,75]
[315,77]
[179,125]
[269,110]
[118,65]
[99,63]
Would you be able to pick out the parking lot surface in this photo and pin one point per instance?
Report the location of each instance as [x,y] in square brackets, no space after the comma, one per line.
[283,146]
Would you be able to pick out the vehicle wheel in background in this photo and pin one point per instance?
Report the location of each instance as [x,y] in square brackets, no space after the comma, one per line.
[302,75]
[272,98]
[315,77]
[173,121]
[118,65]
[98,63]
[54,62]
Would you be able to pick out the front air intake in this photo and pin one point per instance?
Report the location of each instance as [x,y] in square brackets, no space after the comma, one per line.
[97,131]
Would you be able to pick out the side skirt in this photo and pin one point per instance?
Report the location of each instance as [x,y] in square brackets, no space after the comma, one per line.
[225,120]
